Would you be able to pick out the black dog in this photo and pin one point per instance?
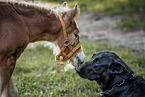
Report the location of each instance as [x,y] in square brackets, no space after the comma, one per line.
[112,74]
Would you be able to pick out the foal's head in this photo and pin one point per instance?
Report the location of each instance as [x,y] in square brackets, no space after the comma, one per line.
[74,51]
[56,25]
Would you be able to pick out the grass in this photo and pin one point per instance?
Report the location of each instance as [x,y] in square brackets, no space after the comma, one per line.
[35,73]
[132,24]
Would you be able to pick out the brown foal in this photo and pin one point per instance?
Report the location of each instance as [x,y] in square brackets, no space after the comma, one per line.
[22,23]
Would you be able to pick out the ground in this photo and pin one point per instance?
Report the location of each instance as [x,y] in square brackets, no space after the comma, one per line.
[94,28]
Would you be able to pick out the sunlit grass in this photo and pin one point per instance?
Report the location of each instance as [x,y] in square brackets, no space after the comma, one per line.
[35,73]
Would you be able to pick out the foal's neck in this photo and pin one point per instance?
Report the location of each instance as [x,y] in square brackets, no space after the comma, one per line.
[42,25]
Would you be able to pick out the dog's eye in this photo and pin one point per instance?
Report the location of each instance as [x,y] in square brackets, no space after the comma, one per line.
[97,62]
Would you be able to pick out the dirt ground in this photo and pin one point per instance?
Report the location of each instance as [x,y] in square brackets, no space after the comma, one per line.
[93,28]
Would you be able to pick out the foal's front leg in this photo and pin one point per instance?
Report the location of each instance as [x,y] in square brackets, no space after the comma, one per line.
[12,92]
[7,66]
[4,82]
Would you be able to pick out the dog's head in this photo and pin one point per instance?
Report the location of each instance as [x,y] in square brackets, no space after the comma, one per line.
[106,68]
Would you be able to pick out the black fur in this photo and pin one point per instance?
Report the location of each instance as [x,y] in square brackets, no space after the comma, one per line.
[113,75]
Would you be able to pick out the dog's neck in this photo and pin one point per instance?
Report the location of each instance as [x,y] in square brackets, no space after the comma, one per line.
[124,86]
[116,85]
[108,83]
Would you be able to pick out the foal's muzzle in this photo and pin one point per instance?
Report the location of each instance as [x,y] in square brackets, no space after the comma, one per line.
[67,45]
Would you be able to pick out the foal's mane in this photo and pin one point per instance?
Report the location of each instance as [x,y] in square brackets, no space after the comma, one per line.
[39,6]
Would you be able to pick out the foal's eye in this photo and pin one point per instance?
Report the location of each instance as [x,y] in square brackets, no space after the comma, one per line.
[75,35]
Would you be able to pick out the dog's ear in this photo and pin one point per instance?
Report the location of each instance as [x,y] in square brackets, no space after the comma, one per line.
[116,68]
[120,69]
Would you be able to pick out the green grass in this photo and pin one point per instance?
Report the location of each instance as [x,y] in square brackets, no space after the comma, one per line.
[132,24]
[35,73]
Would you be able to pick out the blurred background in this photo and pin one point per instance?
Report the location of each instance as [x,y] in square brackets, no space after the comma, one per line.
[118,22]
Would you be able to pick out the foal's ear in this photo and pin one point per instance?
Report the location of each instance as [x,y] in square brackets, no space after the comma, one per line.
[64,4]
[77,11]
[72,13]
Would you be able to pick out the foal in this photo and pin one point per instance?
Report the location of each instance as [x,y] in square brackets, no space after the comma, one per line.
[22,23]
